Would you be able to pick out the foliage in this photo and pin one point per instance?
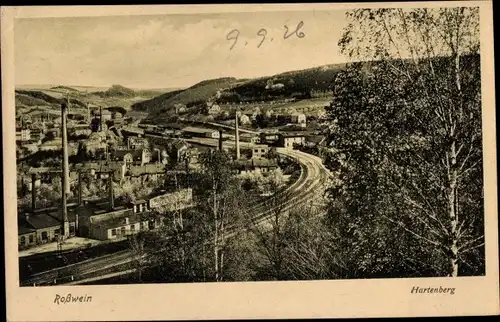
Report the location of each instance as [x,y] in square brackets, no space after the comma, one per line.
[407,133]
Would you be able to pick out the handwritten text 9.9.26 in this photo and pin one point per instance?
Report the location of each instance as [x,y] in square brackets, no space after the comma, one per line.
[235,33]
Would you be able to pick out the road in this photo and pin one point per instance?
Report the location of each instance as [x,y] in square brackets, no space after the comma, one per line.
[308,186]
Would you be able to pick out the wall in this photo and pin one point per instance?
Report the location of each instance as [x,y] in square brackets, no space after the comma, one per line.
[27,240]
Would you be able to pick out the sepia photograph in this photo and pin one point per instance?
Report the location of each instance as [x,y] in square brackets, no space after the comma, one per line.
[176,147]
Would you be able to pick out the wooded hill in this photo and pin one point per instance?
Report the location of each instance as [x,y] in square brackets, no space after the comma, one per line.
[301,84]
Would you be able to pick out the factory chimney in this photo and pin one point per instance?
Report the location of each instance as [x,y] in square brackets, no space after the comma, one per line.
[65,171]
[89,119]
[110,190]
[220,140]
[79,188]
[33,192]
[100,118]
[237,136]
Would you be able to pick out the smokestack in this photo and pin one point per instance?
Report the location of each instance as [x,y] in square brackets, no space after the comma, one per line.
[33,192]
[79,188]
[65,171]
[237,137]
[100,118]
[89,119]
[110,189]
[220,140]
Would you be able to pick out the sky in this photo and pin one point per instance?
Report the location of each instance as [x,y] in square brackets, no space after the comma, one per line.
[171,50]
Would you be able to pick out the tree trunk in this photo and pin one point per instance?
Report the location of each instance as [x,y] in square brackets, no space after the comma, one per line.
[453,214]
[216,250]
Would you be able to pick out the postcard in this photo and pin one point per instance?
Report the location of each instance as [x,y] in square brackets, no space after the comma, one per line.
[185,162]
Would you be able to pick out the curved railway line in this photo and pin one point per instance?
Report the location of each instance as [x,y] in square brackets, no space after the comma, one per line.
[310,182]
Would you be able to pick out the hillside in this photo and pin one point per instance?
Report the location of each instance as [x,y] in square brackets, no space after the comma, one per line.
[192,96]
[116,96]
[301,84]
[116,91]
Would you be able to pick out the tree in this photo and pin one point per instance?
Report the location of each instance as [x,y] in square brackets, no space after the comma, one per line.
[409,148]
[221,195]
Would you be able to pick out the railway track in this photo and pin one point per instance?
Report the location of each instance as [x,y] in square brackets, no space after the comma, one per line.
[312,178]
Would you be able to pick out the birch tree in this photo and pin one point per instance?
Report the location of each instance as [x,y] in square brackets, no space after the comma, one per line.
[408,128]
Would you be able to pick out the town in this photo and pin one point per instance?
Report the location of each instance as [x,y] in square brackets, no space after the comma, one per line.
[150,158]
[146,172]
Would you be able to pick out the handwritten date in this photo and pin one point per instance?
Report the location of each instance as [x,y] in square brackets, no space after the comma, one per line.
[234,34]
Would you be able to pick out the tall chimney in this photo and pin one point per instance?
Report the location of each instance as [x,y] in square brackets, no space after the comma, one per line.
[79,188]
[110,190]
[220,140]
[100,118]
[88,114]
[33,192]
[65,172]
[237,136]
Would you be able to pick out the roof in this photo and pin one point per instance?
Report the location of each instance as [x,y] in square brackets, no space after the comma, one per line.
[252,163]
[152,168]
[178,143]
[197,130]
[22,228]
[120,221]
[42,220]
[133,129]
[292,135]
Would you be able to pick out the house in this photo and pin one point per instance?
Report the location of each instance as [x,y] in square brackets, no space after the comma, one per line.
[141,156]
[200,132]
[289,140]
[106,115]
[247,137]
[255,165]
[136,143]
[212,108]
[178,148]
[244,119]
[298,118]
[269,138]
[259,151]
[23,134]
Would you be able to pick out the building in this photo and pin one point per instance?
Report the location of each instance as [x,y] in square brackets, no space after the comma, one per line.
[109,224]
[133,131]
[37,115]
[79,129]
[178,149]
[200,132]
[269,138]
[255,165]
[141,156]
[289,140]
[212,108]
[106,115]
[23,134]
[259,151]
[42,226]
[136,143]
[298,118]
[246,137]
[244,119]
[172,201]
